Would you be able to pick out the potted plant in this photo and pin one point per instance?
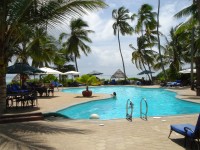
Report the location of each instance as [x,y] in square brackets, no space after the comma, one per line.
[87,80]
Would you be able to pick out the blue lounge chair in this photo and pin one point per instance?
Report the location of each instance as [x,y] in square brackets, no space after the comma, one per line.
[56,84]
[189,131]
[15,89]
[176,83]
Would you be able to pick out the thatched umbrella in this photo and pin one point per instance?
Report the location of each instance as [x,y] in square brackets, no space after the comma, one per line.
[16,78]
[118,74]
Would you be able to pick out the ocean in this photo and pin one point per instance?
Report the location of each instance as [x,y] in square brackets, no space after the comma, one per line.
[9,78]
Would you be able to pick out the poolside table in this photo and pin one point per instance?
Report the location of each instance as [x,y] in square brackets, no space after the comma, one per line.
[25,99]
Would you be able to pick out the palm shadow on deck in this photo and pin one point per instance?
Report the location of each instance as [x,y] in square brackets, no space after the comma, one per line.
[18,110]
[29,137]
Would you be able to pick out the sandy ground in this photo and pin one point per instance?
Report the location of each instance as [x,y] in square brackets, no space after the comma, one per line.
[65,134]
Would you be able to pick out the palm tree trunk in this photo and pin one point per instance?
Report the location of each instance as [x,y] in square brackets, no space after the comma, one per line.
[159,49]
[121,55]
[150,73]
[3,66]
[198,8]
[76,63]
[192,59]
[150,76]
[197,61]
[146,70]
[3,61]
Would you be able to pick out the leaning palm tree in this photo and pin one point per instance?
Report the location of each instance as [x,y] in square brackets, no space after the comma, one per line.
[14,14]
[141,55]
[76,39]
[121,16]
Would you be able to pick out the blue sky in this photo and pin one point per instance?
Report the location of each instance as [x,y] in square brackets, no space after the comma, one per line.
[105,56]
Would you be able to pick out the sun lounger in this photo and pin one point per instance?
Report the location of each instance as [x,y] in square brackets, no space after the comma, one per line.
[189,131]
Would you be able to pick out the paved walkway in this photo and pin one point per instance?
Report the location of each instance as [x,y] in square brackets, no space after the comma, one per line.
[92,134]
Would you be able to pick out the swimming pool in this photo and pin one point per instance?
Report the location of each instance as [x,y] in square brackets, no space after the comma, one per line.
[160,103]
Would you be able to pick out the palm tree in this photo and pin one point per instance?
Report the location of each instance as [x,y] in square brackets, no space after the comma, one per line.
[176,52]
[159,47]
[38,46]
[60,62]
[42,48]
[142,56]
[146,24]
[146,19]
[14,14]
[121,25]
[191,24]
[77,39]
[198,7]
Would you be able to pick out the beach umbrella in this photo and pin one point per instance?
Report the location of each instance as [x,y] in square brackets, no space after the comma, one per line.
[95,73]
[118,74]
[71,73]
[50,71]
[187,71]
[22,68]
[145,72]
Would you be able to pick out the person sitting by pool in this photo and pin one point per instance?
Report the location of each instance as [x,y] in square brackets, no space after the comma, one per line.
[51,89]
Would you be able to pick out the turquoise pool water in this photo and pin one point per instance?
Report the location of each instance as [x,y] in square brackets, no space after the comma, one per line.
[160,103]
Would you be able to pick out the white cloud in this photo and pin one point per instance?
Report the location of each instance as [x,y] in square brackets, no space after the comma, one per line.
[102,27]
[105,56]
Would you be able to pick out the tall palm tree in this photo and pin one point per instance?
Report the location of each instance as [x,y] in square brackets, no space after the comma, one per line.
[159,47]
[14,14]
[146,25]
[198,8]
[121,16]
[146,19]
[191,24]
[76,39]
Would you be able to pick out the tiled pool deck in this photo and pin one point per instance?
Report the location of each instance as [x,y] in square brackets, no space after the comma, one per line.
[94,134]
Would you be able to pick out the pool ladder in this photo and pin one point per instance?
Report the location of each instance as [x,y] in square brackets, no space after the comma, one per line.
[143,114]
[129,110]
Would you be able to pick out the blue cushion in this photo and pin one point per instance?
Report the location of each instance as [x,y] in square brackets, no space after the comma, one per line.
[179,128]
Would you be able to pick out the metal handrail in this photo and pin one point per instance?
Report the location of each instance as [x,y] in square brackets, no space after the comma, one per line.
[143,115]
[129,104]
